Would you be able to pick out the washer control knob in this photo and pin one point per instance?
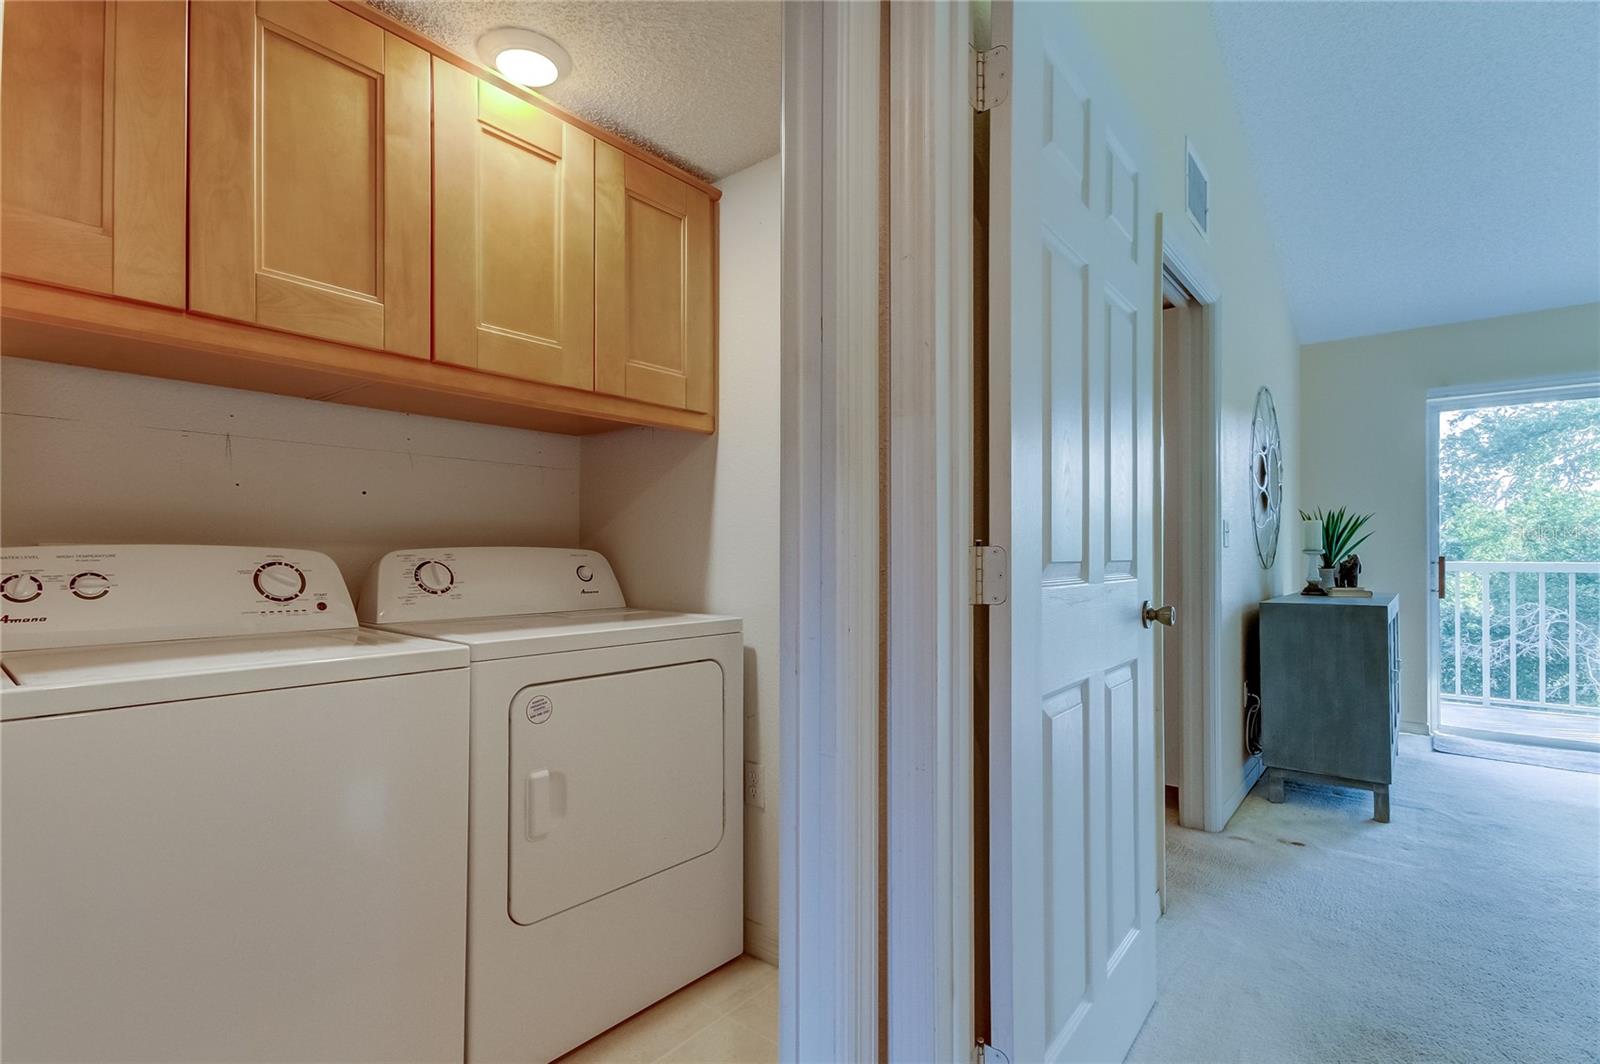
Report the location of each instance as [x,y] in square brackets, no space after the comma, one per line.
[434,577]
[90,585]
[585,573]
[19,587]
[279,581]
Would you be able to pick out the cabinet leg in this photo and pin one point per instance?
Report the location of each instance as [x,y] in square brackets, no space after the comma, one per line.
[1274,785]
[1380,803]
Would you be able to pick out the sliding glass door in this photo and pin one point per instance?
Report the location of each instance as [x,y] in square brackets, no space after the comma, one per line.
[1514,511]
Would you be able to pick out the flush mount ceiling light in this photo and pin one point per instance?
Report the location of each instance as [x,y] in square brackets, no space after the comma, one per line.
[530,59]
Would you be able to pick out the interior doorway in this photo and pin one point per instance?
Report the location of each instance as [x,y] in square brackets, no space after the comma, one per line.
[1514,514]
[1189,521]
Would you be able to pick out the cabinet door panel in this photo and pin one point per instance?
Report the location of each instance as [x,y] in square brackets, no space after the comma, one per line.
[513,235]
[654,296]
[309,182]
[93,152]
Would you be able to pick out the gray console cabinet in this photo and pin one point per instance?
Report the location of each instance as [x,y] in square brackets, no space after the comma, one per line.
[1330,692]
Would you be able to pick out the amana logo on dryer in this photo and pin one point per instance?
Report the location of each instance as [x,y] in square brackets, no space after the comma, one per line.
[6,618]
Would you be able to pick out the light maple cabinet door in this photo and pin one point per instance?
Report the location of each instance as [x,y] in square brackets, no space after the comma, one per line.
[513,242]
[309,172]
[92,149]
[654,301]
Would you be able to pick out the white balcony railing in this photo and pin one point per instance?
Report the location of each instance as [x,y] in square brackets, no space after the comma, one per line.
[1521,635]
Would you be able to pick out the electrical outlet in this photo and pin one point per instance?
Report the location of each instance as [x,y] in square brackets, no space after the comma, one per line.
[752,785]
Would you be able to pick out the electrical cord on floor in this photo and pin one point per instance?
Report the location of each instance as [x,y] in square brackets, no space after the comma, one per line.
[1252,724]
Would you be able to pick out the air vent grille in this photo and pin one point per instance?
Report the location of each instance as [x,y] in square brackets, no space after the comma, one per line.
[1197,189]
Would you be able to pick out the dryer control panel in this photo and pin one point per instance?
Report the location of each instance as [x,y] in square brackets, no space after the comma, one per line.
[69,596]
[451,583]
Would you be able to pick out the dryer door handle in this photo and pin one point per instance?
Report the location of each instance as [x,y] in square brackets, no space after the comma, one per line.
[537,810]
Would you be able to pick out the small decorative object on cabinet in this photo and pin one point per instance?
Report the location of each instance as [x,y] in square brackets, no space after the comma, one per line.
[1338,542]
[1330,692]
[1313,555]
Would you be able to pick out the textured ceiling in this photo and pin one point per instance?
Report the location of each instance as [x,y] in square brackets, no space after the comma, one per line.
[698,82]
[1422,163]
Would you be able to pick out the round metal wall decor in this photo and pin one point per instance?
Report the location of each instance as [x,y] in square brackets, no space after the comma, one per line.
[1266,474]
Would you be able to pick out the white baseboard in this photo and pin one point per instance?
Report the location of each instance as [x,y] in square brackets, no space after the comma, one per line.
[1413,728]
[761,942]
[1252,772]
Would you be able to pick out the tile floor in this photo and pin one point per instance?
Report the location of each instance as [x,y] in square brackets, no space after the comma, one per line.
[727,1017]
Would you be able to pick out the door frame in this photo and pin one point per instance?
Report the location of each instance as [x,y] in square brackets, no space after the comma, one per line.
[1467,397]
[1203,777]
[929,981]
[829,605]
[875,914]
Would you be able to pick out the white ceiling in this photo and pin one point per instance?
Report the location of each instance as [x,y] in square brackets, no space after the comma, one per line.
[699,82]
[1422,163]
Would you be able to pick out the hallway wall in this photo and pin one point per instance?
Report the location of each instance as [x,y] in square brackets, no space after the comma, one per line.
[1171,71]
[1363,439]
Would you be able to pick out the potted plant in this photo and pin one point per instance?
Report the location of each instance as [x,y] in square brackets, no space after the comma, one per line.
[1339,531]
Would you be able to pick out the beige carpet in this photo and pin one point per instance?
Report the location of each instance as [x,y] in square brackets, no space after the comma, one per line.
[1468,929]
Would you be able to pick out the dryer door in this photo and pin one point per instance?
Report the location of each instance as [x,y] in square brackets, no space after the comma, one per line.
[613,779]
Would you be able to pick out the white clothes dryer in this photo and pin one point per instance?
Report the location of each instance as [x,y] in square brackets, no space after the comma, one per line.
[606,864]
[234,822]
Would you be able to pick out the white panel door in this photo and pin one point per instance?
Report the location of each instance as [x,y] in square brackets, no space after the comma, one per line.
[1073,860]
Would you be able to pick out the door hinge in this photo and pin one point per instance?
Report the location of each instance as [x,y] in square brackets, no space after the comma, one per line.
[991,77]
[990,575]
[984,1053]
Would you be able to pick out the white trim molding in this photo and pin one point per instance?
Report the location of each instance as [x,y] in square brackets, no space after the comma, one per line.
[828,858]
[930,471]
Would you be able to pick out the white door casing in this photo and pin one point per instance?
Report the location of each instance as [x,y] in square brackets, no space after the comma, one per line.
[1073,730]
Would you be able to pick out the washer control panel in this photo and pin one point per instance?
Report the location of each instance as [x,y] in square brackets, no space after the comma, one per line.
[449,583]
[95,595]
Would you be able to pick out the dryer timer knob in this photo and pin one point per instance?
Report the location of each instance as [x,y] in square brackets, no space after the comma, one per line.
[434,577]
[585,573]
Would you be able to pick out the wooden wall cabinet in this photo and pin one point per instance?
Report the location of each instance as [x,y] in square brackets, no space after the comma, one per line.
[309,175]
[513,245]
[91,162]
[350,192]
[655,293]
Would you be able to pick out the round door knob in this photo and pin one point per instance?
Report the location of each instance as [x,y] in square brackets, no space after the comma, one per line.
[279,581]
[90,585]
[434,577]
[19,587]
[1167,615]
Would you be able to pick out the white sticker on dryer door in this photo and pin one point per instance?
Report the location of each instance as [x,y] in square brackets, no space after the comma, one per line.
[539,708]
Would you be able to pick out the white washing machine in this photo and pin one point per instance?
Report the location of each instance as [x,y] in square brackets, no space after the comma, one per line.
[607,813]
[234,822]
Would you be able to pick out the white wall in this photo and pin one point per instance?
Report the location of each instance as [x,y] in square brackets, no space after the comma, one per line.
[1171,71]
[691,522]
[88,456]
[1363,440]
